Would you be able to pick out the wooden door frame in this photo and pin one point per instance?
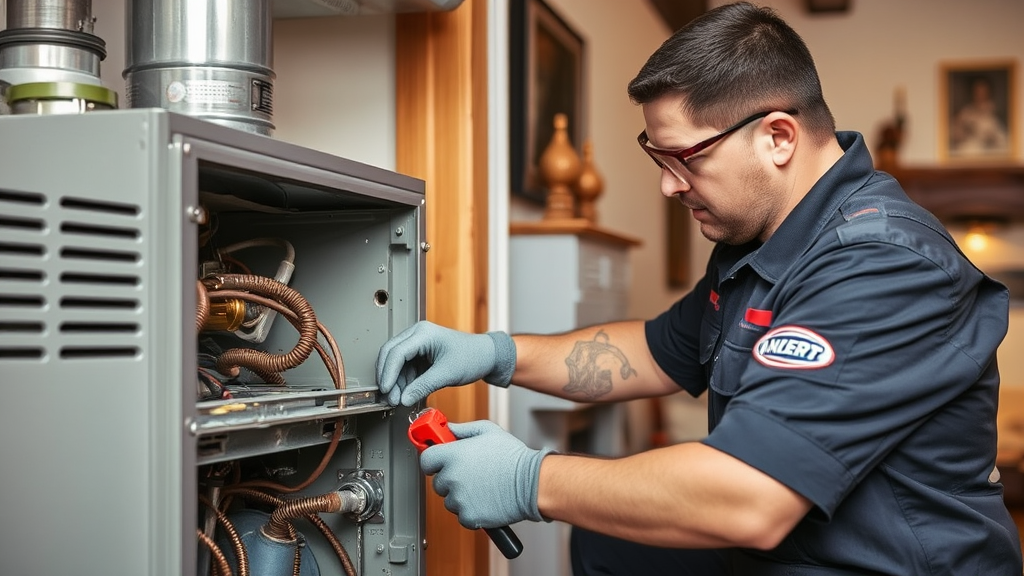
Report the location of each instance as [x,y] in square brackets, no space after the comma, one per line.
[441,138]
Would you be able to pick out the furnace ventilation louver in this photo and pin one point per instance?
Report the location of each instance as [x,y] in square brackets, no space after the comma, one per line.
[70,291]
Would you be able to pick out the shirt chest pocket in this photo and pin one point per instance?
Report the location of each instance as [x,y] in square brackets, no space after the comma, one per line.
[730,360]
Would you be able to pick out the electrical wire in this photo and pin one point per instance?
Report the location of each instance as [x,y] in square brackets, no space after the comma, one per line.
[254,242]
[227,259]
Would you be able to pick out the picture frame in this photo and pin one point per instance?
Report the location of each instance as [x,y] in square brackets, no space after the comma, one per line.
[978,111]
[545,78]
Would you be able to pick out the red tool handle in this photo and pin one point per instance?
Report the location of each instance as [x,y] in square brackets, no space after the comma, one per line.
[429,426]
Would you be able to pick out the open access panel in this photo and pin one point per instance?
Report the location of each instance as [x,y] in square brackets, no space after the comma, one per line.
[189,321]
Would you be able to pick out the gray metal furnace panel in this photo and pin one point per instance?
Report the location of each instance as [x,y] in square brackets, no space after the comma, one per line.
[106,447]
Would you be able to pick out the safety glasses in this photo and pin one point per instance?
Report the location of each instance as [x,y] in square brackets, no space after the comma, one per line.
[675,160]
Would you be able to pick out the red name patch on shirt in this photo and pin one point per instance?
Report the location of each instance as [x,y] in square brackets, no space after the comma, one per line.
[758,317]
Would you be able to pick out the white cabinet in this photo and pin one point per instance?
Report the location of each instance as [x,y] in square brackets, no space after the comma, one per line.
[564,275]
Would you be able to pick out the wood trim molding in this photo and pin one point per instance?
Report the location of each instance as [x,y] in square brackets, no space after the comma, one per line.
[965,193]
[441,132]
[577,226]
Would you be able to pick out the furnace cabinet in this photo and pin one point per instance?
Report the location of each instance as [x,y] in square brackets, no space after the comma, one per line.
[120,433]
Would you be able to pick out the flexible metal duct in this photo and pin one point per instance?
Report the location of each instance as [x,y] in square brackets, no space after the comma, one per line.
[211,59]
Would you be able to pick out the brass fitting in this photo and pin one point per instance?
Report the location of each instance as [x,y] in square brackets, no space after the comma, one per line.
[225,315]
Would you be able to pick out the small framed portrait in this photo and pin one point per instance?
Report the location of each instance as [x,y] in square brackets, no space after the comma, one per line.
[545,78]
[978,116]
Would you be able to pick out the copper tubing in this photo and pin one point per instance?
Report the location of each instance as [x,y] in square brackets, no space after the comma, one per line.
[335,439]
[277,527]
[339,550]
[202,306]
[318,522]
[236,541]
[222,563]
[267,365]
[335,366]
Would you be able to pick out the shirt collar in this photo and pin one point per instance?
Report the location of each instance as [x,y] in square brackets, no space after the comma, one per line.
[812,214]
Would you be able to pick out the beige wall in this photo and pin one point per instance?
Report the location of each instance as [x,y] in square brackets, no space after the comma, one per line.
[335,85]
[908,42]
[335,92]
[618,37]
[863,56]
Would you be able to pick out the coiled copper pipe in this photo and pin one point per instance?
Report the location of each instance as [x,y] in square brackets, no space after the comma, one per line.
[334,363]
[202,306]
[268,366]
[236,541]
[222,563]
[317,521]
[280,520]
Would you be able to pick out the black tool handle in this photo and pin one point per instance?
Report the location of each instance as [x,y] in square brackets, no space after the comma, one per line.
[506,541]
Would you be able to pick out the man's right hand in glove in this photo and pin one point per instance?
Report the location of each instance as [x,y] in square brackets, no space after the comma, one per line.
[427,357]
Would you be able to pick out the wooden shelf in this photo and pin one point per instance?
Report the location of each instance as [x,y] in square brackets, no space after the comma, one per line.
[959,193]
[576,226]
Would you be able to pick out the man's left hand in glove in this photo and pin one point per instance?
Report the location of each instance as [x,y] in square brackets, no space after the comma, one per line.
[488,478]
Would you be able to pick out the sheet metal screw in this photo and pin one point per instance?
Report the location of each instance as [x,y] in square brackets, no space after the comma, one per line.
[197,214]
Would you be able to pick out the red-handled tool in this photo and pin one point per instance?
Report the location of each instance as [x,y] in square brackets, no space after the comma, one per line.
[429,427]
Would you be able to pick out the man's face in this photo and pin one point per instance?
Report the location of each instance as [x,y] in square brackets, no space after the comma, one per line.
[726,186]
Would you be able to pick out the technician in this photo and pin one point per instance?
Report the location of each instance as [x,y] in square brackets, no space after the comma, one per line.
[847,346]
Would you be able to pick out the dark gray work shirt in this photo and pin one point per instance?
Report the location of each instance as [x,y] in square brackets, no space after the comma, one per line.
[852,357]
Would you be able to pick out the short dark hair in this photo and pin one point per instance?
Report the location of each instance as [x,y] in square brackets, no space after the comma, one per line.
[733,61]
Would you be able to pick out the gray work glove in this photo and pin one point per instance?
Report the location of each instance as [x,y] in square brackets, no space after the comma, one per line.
[427,357]
[488,478]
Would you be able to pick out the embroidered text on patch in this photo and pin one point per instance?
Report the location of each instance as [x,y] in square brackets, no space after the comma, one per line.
[793,347]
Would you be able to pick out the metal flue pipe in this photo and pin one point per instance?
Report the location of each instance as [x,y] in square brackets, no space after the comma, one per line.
[212,59]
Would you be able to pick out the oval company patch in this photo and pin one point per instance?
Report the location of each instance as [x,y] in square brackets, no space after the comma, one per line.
[793,347]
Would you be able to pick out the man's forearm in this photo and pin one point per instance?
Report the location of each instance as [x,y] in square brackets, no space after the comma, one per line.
[683,496]
[605,363]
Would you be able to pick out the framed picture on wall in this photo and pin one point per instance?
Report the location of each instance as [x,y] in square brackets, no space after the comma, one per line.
[545,78]
[977,112]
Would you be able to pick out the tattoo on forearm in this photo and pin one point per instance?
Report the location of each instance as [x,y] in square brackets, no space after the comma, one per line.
[590,367]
